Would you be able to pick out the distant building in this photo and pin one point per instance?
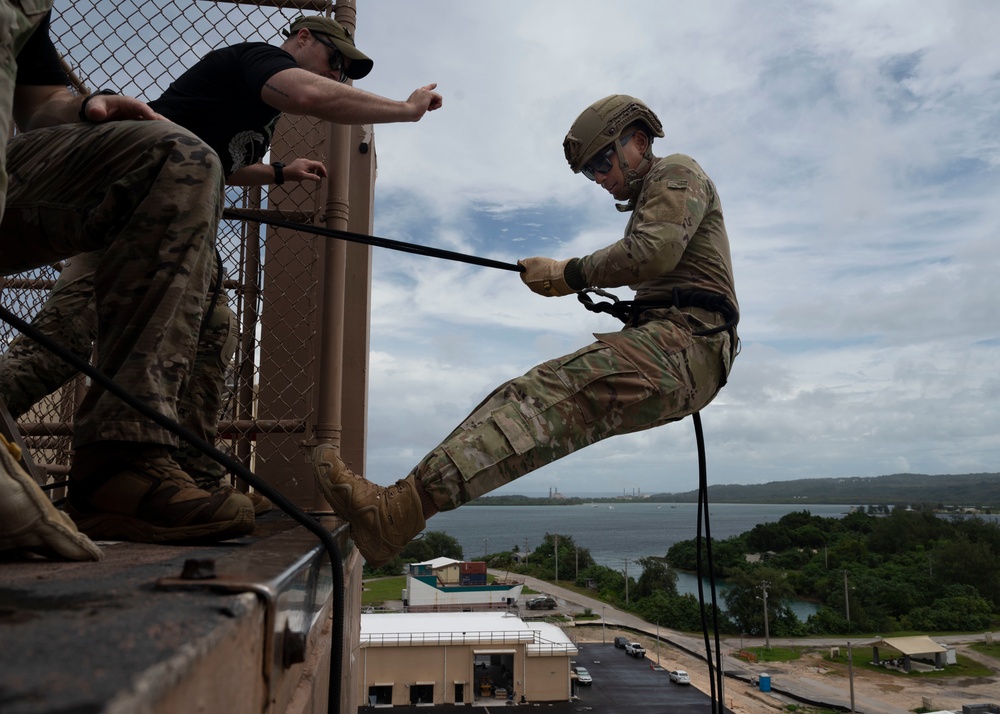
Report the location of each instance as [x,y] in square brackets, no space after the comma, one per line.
[448,585]
[461,658]
[915,652]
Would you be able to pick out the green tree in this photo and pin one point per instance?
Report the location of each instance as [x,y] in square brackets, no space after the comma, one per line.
[657,577]
[965,561]
[744,598]
[610,583]
[434,544]
[680,613]
[543,558]
[962,608]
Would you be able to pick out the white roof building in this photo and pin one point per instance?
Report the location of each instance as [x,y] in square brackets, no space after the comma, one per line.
[461,658]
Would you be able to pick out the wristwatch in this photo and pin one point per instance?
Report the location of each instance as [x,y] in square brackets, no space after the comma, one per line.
[279,172]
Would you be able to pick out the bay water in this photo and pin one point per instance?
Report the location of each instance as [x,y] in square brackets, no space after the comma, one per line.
[617,534]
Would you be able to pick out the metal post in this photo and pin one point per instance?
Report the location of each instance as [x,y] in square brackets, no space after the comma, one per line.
[556,550]
[604,635]
[847,603]
[850,673]
[767,635]
[626,581]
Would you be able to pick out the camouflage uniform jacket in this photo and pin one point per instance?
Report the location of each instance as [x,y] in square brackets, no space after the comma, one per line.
[675,237]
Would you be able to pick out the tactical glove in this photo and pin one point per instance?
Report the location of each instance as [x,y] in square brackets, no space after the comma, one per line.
[29,521]
[545,276]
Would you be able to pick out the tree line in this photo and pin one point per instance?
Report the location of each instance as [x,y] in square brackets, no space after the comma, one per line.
[904,570]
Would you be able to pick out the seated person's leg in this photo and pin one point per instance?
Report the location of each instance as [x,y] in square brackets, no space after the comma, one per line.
[149,195]
[201,401]
[28,371]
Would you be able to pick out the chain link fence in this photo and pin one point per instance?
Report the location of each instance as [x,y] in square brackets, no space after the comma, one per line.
[138,48]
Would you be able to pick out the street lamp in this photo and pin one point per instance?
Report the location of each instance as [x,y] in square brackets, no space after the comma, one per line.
[604,637]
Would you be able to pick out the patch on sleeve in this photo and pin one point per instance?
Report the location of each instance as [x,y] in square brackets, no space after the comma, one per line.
[671,207]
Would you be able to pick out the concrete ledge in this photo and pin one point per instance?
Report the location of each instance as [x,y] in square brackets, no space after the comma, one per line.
[103,637]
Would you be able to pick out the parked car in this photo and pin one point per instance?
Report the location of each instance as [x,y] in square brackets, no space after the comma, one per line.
[679,676]
[620,642]
[583,676]
[543,602]
[634,649]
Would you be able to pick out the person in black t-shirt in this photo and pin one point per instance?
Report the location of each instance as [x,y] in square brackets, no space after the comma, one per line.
[233,96]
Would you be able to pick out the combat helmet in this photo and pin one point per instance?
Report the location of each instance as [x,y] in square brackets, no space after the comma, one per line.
[601,124]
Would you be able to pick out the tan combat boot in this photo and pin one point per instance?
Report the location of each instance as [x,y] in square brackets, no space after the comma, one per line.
[261,503]
[29,521]
[383,518]
[137,492]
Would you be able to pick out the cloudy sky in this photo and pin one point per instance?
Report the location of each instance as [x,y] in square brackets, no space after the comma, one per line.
[855,146]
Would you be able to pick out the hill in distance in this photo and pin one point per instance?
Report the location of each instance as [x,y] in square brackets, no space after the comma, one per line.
[968,490]
[980,490]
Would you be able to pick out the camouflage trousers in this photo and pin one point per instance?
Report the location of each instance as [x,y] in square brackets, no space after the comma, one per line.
[29,372]
[148,196]
[18,19]
[624,382]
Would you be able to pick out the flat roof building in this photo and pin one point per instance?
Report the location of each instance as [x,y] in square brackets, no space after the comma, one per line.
[447,585]
[461,658]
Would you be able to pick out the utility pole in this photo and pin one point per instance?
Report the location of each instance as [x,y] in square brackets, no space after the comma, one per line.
[850,673]
[486,547]
[577,562]
[626,581]
[767,634]
[847,603]
[556,539]
[604,636]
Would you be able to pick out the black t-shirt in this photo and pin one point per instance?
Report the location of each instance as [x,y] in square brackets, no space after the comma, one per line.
[219,100]
[38,61]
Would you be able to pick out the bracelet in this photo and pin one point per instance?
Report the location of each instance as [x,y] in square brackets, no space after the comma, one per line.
[86,100]
[279,173]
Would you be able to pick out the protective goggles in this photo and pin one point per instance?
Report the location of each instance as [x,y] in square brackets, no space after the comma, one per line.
[602,163]
[336,59]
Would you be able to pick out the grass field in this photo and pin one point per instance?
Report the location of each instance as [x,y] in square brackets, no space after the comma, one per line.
[379,590]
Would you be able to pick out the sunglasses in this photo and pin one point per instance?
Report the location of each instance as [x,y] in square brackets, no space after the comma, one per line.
[601,163]
[336,59]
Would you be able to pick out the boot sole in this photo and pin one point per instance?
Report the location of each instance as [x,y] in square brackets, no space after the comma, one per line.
[113,526]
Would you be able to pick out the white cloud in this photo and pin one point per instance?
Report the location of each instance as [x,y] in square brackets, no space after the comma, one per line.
[855,150]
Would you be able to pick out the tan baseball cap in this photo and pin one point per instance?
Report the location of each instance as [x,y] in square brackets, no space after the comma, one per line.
[339,35]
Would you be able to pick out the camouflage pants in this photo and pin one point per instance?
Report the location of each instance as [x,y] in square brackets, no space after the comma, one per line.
[18,19]
[29,372]
[148,196]
[624,382]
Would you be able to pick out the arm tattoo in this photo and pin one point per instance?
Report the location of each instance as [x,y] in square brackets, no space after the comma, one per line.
[275,89]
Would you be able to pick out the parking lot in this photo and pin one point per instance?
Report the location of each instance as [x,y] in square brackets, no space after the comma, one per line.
[627,684]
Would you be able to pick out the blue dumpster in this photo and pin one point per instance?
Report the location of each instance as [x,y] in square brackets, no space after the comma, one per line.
[765,682]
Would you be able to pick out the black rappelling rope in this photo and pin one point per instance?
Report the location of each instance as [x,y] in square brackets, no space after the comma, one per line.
[715,671]
[238,215]
[308,522]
